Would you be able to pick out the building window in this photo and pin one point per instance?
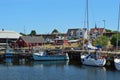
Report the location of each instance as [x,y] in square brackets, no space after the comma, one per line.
[81,33]
[71,33]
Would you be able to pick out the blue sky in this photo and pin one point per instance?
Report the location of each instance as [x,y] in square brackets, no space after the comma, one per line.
[46,15]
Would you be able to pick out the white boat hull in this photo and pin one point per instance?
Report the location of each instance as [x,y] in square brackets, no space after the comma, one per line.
[93,62]
[117,63]
[50,57]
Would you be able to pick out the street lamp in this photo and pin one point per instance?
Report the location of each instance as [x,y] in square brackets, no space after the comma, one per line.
[104,25]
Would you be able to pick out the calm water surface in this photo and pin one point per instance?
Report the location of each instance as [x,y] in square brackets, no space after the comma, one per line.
[54,70]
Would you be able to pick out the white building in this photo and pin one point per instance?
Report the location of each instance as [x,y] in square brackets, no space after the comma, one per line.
[77,33]
[9,36]
[81,33]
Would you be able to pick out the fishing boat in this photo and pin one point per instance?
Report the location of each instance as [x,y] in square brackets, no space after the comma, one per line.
[89,59]
[117,59]
[43,56]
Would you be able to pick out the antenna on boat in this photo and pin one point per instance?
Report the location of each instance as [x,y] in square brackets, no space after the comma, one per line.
[118,28]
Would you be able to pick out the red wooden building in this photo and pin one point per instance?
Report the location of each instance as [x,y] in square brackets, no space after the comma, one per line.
[28,41]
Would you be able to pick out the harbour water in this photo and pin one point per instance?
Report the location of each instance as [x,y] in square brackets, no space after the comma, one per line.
[54,70]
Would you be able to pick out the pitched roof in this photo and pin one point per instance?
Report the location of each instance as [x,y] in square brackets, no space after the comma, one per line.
[74,30]
[9,34]
[100,30]
[33,39]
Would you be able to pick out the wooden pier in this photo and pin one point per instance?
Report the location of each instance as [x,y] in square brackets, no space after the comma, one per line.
[91,51]
[73,55]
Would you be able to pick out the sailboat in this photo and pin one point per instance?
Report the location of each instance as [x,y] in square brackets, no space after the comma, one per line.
[93,59]
[117,63]
[89,59]
[117,59]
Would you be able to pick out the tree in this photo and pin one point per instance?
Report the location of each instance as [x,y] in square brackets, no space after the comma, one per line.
[55,31]
[102,41]
[22,34]
[33,33]
[108,30]
[114,39]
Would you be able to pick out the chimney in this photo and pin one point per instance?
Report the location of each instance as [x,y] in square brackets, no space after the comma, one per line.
[2,29]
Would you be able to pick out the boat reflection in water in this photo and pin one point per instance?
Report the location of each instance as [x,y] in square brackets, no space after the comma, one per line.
[54,70]
[49,63]
[8,61]
[94,73]
[12,62]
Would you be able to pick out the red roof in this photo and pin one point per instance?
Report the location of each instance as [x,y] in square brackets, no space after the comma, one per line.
[99,30]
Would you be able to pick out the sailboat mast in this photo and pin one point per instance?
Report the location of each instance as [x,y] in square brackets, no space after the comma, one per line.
[87,18]
[118,28]
[87,21]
